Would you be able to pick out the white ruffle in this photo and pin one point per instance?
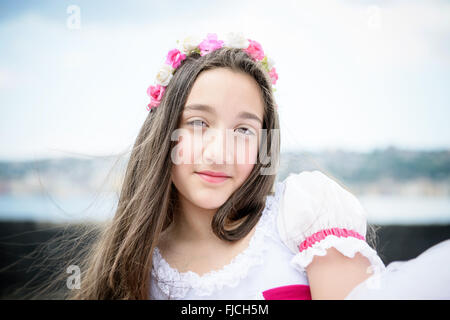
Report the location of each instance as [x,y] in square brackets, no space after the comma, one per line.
[348,246]
[177,284]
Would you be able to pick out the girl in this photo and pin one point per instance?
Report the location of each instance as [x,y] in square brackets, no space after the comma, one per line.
[194,221]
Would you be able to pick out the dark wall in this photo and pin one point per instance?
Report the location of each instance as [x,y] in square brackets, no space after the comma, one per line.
[396,243]
[25,245]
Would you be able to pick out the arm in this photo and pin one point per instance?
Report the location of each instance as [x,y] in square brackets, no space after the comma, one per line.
[324,225]
[334,275]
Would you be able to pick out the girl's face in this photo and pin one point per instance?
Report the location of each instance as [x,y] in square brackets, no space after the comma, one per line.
[219,133]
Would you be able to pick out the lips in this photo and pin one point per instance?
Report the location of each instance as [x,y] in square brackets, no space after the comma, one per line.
[213,177]
[214,173]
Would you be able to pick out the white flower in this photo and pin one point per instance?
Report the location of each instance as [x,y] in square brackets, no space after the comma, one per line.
[189,44]
[164,75]
[236,40]
[270,63]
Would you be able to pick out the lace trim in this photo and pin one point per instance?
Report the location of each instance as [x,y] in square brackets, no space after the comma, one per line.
[177,284]
[347,246]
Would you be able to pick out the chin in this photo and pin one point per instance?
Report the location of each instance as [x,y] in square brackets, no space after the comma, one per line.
[208,199]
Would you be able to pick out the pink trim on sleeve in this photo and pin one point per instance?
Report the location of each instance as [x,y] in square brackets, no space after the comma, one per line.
[322,234]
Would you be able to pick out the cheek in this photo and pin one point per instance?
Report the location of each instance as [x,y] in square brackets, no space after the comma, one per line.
[246,157]
[246,152]
[183,152]
[180,176]
[243,171]
[252,148]
[182,160]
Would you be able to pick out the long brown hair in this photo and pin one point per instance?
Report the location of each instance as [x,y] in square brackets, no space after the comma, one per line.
[118,264]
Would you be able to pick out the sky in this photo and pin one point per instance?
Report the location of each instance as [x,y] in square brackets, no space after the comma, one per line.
[353,75]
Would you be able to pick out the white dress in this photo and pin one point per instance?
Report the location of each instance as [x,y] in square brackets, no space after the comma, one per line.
[308,213]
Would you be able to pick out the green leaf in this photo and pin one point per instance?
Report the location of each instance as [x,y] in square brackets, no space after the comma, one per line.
[265,63]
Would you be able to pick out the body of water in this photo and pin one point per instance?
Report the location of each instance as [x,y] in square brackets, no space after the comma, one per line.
[55,210]
[383,210]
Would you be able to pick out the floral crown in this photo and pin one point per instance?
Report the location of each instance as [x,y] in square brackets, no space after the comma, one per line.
[208,45]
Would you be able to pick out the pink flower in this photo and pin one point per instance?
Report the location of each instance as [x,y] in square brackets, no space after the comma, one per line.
[255,50]
[273,75]
[174,58]
[210,44]
[155,93]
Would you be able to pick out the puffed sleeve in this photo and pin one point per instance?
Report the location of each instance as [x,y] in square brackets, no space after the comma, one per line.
[315,214]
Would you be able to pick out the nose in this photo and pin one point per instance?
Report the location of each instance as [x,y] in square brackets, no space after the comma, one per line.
[216,148]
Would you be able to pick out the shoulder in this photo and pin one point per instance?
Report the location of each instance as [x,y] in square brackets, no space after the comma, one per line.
[314,186]
[324,225]
[314,202]
[317,188]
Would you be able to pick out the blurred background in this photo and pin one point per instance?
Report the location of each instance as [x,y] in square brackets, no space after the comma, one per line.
[363,95]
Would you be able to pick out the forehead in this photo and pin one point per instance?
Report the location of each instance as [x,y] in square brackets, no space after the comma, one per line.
[228,92]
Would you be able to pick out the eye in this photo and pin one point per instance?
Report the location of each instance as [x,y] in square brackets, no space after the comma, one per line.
[248,132]
[193,122]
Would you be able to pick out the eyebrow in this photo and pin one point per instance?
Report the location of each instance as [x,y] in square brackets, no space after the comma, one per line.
[209,109]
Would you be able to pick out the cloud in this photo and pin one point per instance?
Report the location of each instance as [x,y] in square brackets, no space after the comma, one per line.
[340,65]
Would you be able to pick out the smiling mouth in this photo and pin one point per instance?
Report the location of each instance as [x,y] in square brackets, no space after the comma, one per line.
[211,178]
